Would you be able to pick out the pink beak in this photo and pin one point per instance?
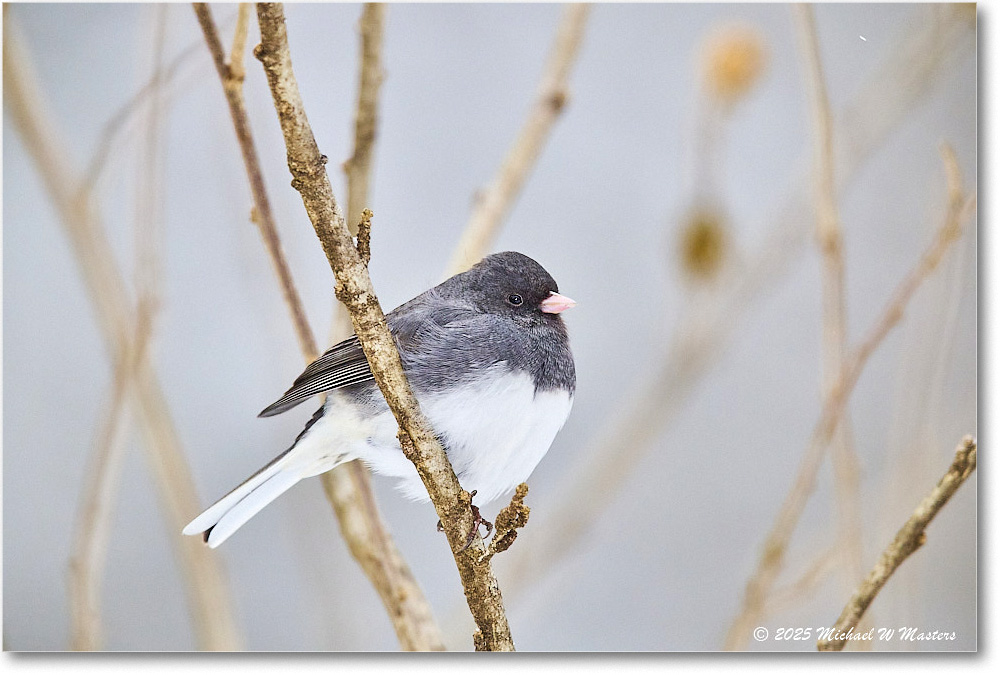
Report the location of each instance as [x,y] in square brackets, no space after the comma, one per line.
[555,303]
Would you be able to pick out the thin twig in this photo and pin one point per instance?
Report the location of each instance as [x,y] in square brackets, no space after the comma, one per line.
[236,69]
[232,84]
[148,222]
[492,205]
[95,518]
[829,235]
[796,592]
[354,289]
[511,518]
[772,559]
[96,515]
[206,587]
[909,538]
[348,487]
[96,512]
[116,123]
[703,330]
[358,167]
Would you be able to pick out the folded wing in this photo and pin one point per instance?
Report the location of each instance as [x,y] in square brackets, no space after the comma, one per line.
[341,365]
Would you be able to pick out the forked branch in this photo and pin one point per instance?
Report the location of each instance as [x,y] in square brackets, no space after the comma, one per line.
[775,545]
[354,289]
[206,586]
[347,487]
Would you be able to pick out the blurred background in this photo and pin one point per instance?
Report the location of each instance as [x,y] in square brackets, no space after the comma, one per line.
[673,200]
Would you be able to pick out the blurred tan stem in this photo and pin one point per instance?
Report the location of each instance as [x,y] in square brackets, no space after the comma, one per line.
[798,591]
[117,123]
[909,538]
[775,546]
[96,514]
[358,167]
[348,487]
[829,236]
[206,585]
[553,91]
[702,331]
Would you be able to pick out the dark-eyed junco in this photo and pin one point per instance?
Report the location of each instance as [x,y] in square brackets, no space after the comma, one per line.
[488,358]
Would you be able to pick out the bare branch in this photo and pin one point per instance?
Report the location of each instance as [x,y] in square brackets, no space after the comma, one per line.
[232,84]
[354,289]
[829,235]
[349,487]
[772,558]
[359,167]
[511,518]
[909,538]
[206,587]
[116,123]
[236,70]
[96,513]
[705,327]
[95,517]
[553,92]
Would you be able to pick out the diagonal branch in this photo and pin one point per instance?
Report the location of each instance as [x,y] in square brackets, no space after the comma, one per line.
[704,329]
[908,539]
[354,289]
[206,587]
[772,558]
[553,92]
[232,85]
[347,487]
[96,514]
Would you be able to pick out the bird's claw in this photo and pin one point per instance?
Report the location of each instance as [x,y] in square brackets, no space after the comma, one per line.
[477,521]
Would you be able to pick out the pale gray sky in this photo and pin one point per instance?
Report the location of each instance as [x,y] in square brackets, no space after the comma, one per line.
[665,567]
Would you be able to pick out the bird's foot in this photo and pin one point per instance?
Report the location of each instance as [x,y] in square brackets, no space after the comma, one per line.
[477,521]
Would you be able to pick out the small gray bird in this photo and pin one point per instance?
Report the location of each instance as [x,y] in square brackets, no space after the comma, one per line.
[487,355]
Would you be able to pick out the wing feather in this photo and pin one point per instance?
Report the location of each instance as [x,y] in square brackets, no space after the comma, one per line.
[420,327]
[341,365]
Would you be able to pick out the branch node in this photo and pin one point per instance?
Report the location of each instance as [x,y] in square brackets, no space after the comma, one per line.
[557,100]
[364,244]
[510,519]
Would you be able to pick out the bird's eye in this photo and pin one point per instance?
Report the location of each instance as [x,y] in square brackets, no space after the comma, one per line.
[515,299]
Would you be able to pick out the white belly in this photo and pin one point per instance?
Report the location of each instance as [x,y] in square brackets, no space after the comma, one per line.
[495,435]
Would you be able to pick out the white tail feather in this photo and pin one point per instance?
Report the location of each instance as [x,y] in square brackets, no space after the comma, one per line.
[217,511]
[251,504]
[309,456]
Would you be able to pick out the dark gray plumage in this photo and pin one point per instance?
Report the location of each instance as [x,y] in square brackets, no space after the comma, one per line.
[469,347]
[449,333]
